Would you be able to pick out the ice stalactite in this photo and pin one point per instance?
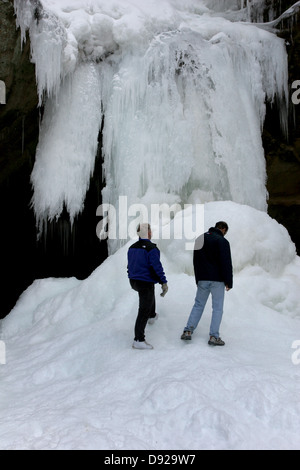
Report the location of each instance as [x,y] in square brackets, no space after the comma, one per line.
[67,146]
[183,93]
[184,120]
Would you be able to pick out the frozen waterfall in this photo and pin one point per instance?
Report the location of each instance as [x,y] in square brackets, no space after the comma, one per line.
[180,91]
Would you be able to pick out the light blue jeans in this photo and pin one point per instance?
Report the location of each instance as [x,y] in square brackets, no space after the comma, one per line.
[217,291]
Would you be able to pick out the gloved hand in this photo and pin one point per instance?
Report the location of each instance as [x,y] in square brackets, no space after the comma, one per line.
[164,288]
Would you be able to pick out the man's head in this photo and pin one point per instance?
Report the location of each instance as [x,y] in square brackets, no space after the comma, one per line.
[144,231]
[222,226]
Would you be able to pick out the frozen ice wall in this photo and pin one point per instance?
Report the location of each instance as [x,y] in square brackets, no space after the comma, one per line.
[186,115]
[246,10]
[182,92]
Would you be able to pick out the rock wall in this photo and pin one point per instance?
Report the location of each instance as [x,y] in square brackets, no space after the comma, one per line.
[19,126]
[79,252]
[283,155]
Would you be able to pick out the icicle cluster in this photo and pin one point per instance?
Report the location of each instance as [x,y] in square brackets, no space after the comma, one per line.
[181,90]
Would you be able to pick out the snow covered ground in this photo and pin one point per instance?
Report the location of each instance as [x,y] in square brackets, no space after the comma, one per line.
[72,381]
[183,92]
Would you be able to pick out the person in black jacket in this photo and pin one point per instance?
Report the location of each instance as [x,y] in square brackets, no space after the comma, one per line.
[144,271]
[213,274]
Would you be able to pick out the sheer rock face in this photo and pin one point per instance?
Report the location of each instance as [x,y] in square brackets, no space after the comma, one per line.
[283,155]
[19,117]
[19,128]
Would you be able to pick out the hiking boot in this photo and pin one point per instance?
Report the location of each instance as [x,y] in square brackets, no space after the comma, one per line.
[152,320]
[213,341]
[186,335]
[141,345]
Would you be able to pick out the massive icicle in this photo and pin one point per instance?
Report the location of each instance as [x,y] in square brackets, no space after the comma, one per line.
[187,116]
[68,144]
[182,93]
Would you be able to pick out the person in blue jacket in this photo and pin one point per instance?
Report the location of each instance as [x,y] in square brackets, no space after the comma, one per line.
[213,274]
[144,271]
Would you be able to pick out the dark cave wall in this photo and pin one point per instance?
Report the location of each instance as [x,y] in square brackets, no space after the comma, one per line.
[283,154]
[19,124]
[66,253]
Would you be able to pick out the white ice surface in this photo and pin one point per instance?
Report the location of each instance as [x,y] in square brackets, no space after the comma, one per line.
[72,380]
[182,91]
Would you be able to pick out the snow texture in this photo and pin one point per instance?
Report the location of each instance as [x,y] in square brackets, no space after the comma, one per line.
[72,380]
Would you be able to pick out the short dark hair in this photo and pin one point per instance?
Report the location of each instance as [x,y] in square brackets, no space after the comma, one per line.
[222,225]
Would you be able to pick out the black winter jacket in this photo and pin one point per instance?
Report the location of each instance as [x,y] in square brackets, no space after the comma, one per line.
[212,258]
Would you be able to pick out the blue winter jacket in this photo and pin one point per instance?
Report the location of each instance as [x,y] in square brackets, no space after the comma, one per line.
[144,262]
[212,258]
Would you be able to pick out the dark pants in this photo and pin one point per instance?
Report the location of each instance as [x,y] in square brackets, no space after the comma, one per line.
[146,306]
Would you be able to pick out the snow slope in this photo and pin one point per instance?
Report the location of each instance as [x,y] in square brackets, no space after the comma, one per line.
[72,380]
